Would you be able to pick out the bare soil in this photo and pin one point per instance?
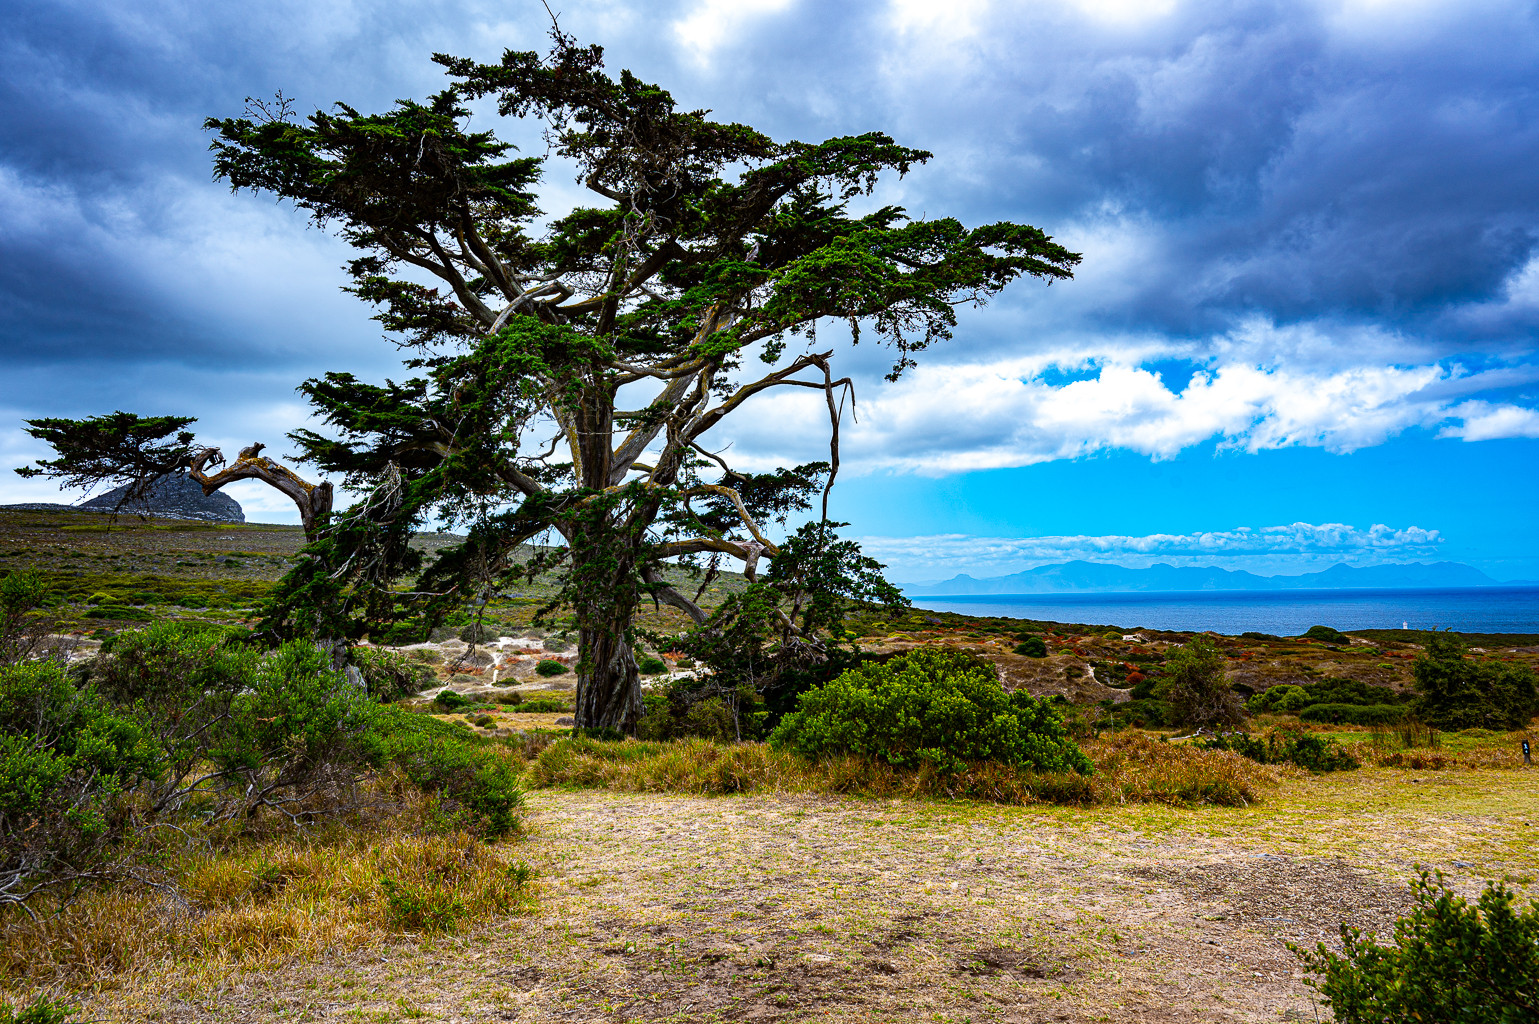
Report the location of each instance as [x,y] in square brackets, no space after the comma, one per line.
[659,907]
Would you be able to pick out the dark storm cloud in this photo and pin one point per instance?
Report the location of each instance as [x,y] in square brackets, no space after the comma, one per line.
[1282,161]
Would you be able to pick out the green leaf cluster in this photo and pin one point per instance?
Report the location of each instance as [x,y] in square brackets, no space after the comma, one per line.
[1451,961]
[942,708]
[1457,692]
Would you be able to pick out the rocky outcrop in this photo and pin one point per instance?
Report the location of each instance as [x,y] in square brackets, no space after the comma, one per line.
[175,496]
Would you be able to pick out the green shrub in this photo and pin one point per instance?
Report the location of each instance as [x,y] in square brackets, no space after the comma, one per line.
[697,707]
[1308,751]
[1334,690]
[68,761]
[484,721]
[451,701]
[510,697]
[1353,714]
[1032,647]
[1250,635]
[1456,693]
[1450,962]
[1285,699]
[390,676]
[475,782]
[544,705]
[1326,634]
[1193,683]
[550,667]
[650,666]
[929,707]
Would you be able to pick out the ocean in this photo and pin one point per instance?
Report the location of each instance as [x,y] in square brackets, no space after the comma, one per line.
[1286,613]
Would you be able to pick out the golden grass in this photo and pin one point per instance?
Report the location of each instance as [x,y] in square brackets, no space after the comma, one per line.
[1130,768]
[265,903]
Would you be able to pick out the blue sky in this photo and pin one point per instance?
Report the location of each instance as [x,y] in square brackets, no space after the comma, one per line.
[1302,333]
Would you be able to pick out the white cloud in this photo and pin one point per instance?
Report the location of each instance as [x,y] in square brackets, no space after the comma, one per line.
[1295,547]
[713,23]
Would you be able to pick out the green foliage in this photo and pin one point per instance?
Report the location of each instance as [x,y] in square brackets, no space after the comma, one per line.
[1456,692]
[476,785]
[650,666]
[449,700]
[41,1010]
[1032,647]
[390,676]
[68,761]
[1301,748]
[1350,691]
[929,707]
[23,626]
[545,705]
[551,667]
[1285,698]
[1193,684]
[1353,714]
[693,706]
[1450,962]
[1326,634]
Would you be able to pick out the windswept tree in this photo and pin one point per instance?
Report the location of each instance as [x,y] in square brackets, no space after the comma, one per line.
[568,370]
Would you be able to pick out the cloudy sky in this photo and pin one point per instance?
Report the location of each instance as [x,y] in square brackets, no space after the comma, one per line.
[1302,333]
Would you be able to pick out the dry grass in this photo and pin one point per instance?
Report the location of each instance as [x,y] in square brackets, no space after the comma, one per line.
[267,903]
[1130,768]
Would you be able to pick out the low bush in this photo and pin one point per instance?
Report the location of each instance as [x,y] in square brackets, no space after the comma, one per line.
[1353,714]
[1281,699]
[545,705]
[551,667]
[68,765]
[1032,647]
[390,676]
[1450,962]
[449,700]
[1456,692]
[650,666]
[1326,634]
[1305,750]
[939,708]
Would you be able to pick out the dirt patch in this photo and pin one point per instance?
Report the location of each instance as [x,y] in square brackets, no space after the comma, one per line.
[1304,900]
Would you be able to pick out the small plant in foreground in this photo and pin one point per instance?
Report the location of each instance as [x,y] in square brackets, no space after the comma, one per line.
[1451,962]
[41,1010]
[551,667]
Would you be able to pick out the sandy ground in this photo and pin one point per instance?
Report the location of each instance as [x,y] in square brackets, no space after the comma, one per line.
[661,907]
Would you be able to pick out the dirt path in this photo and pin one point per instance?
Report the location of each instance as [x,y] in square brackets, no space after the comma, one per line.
[793,908]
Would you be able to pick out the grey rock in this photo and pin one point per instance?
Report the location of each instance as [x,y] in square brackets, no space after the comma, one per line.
[175,496]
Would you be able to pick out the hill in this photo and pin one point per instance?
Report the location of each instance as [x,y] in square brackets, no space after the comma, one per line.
[1080,577]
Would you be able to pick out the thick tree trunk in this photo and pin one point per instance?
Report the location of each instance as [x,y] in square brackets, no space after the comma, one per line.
[608,687]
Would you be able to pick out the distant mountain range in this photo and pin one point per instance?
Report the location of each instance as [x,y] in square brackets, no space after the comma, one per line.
[1081,577]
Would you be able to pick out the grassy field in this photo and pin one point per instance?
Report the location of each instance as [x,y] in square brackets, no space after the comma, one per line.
[690,881]
[795,906]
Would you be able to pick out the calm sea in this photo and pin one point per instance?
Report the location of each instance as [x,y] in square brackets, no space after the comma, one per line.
[1286,613]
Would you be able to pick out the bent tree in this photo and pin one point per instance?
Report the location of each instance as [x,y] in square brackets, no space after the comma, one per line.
[567,369]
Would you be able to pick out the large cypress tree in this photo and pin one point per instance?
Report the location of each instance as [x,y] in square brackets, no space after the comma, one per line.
[566,377]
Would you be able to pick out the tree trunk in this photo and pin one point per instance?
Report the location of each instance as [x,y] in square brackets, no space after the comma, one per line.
[608,686]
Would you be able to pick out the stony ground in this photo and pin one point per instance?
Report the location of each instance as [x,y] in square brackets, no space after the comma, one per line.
[798,908]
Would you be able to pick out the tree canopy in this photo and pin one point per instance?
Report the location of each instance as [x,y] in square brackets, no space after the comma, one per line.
[566,369]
